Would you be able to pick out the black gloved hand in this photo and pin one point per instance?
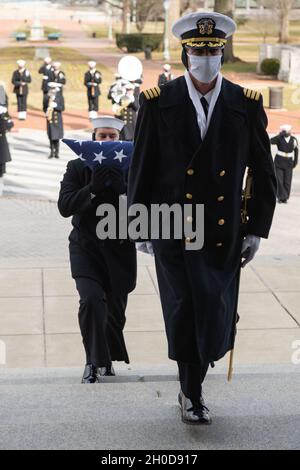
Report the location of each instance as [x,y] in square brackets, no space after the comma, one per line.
[117,181]
[99,180]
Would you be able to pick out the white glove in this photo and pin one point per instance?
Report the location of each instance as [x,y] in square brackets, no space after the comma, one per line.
[3,109]
[145,247]
[249,248]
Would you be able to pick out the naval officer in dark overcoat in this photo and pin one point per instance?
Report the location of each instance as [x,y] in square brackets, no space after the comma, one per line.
[195,138]
[104,270]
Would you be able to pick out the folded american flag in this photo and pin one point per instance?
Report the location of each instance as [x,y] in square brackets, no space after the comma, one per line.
[108,153]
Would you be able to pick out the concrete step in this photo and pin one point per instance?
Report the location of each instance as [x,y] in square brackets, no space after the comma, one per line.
[258,410]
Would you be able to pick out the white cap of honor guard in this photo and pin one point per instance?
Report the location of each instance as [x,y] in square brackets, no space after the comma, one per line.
[108,122]
[21,63]
[204,29]
[92,64]
[286,127]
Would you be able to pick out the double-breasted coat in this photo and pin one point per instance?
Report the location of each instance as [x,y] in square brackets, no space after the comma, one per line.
[171,164]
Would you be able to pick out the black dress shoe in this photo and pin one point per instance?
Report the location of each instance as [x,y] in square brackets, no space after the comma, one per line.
[89,374]
[106,371]
[194,413]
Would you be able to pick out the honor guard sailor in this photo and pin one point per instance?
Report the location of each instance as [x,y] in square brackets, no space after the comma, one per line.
[55,106]
[20,80]
[286,160]
[104,270]
[92,80]
[166,76]
[58,76]
[6,125]
[47,71]
[195,138]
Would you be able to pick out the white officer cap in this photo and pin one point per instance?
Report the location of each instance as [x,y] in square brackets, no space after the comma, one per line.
[167,67]
[92,64]
[56,64]
[21,63]
[204,29]
[107,121]
[286,127]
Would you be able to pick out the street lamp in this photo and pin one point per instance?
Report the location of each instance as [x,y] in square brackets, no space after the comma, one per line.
[166,32]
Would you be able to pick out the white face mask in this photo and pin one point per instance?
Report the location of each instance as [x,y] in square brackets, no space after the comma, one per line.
[205,68]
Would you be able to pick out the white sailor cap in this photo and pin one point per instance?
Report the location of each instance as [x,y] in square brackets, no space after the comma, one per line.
[108,122]
[286,127]
[208,29]
[21,63]
[92,64]
[56,64]
[167,67]
[48,60]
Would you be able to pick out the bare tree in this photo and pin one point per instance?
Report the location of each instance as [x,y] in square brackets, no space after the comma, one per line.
[283,10]
[146,9]
[227,8]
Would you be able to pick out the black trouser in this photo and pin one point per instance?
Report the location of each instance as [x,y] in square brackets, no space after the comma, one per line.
[45,101]
[22,103]
[54,146]
[284,173]
[101,320]
[93,103]
[191,377]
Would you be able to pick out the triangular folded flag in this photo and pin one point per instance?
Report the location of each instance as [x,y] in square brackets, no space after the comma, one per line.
[107,153]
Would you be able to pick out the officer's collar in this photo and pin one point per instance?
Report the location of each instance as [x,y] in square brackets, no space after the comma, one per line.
[176,93]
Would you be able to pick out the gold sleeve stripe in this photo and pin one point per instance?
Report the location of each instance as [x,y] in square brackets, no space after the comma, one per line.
[152,93]
[252,94]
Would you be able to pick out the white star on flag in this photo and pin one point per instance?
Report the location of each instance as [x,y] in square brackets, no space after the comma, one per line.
[78,142]
[120,155]
[99,157]
[80,156]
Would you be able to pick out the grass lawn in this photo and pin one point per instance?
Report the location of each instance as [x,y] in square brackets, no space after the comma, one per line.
[74,67]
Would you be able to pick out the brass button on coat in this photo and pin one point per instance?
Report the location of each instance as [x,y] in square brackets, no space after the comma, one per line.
[190,171]
[219,244]
[189,219]
[221,221]
[222,173]
[221,198]
[189,196]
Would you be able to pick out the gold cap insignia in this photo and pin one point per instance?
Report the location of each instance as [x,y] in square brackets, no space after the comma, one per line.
[206,26]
